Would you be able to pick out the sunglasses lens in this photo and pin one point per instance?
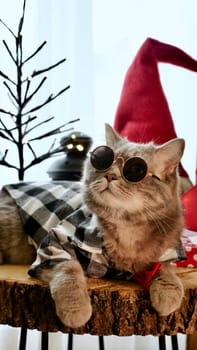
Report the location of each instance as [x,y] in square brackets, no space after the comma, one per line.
[102,158]
[135,169]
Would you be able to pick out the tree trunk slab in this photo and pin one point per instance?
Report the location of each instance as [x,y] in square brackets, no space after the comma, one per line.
[119,307]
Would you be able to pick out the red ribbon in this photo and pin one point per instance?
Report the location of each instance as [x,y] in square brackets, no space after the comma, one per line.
[144,277]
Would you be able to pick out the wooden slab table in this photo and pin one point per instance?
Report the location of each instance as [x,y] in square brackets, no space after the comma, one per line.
[119,307]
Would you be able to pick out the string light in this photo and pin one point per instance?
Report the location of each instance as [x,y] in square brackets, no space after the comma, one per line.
[69,146]
[80,148]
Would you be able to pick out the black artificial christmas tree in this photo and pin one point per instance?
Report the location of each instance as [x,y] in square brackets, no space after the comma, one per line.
[23,118]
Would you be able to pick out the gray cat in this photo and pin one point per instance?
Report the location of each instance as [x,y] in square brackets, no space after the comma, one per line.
[133,192]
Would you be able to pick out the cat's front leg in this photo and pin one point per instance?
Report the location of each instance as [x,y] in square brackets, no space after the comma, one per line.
[69,290]
[166,291]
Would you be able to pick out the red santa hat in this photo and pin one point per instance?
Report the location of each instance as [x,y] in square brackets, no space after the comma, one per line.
[143,112]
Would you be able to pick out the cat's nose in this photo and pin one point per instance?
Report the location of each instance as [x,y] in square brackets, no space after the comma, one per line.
[111,177]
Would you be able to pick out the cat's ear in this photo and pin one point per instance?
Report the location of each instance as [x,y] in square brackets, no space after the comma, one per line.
[169,155]
[111,136]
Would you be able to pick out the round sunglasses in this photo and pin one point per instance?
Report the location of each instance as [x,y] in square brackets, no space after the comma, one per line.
[133,169]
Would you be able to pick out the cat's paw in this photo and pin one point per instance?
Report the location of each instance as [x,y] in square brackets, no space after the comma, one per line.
[166,295]
[77,311]
[69,291]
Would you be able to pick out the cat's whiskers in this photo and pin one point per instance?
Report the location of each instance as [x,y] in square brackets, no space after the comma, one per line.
[120,190]
[157,221]
[99,185]
[164,223]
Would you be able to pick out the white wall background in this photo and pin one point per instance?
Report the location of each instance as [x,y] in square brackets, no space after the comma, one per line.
[99,38]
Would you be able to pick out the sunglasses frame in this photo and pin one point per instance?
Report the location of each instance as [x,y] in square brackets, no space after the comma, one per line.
[115,159]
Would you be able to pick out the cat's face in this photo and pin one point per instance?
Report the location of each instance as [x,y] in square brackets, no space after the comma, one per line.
[108,189]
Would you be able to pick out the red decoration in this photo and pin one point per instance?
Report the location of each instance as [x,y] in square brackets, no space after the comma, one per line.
[189,202]
[189,237]
[144,277]
[143,113]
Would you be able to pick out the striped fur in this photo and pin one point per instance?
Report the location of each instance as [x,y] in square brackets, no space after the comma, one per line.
[140,220]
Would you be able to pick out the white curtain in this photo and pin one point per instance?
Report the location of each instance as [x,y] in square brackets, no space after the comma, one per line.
[99,38]
[67,28]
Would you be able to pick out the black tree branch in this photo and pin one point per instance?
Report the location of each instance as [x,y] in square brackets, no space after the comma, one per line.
[22,119]
[35,52]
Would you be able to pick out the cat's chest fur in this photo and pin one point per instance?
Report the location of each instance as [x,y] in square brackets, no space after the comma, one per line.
[128,246]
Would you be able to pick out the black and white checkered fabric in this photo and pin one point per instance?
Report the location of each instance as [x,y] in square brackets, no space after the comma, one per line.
[60,224]
[63,228]
[43,205]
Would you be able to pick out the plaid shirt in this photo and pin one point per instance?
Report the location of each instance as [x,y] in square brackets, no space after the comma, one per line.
[63,228]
